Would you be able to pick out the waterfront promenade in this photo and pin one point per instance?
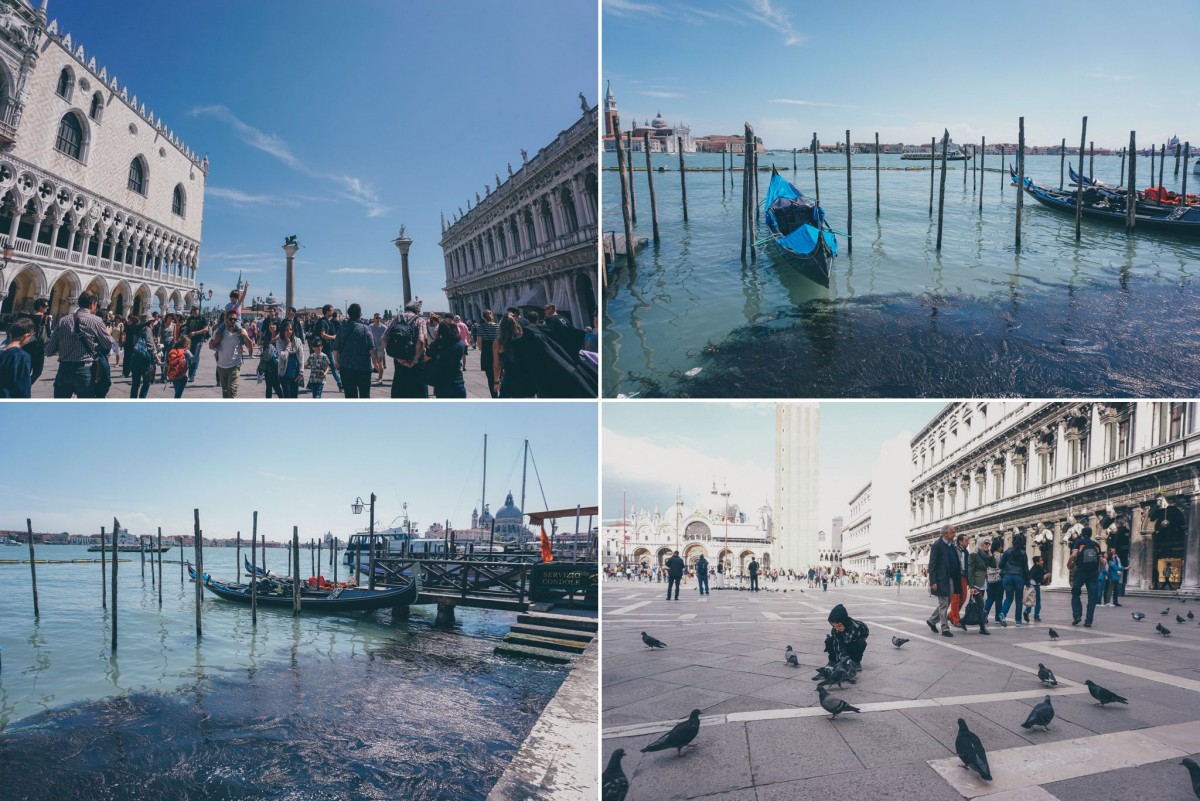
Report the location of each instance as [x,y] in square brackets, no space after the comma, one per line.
[206,388]
[763,736]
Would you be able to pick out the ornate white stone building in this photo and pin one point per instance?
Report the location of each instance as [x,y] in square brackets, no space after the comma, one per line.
[1130,471]
[96,192]
[797,473]
[876,537]
[714,528]
[532,239]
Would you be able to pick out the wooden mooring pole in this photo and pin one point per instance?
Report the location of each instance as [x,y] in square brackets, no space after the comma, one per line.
[296,579]
[1003,171]
[1131,189]
[1020,178]
[682,178]
[629,248]
[1122,170]
[319,544]
[160,566]
[1092,160]
[745,195]
[1177,149]
[1152,148]
[942,191]
[748,189]
[1062,163]
[198,548]
[1079,187]
[722,181]
[32,566]
[1187,151]
[650,182]
[982,154]
[237,564]
[116,539]
[877,174]
[1162,161]
[816,148]
[103,571]
[142,553]
[632,189]
[793,161]
[849,199]
[932,171]
[253,571]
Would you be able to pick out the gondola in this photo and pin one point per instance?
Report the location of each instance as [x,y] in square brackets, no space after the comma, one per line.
[274,592]
[1146,197]
[798,227]
[1109,208]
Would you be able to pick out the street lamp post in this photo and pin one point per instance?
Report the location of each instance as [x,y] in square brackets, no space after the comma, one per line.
[200,298]
[357,508]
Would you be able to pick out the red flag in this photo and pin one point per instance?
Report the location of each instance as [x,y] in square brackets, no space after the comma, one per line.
[547,556]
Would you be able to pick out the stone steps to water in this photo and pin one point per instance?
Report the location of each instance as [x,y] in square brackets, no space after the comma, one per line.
[512,649]
[552,631]
[559,621]
[549,643]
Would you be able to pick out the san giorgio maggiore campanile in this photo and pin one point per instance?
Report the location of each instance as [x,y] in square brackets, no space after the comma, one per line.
[797,473]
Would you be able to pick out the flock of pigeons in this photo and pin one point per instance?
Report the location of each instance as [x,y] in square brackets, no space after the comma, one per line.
[967,744]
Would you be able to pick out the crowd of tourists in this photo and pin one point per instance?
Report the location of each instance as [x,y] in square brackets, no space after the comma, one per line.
[523,353]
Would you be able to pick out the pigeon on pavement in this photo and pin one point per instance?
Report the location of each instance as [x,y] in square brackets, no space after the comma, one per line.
[898,641]
[1047,676]
[790,656]
[834,705]
[839,675]
[1179,618]
[1102,695]
[1163,630]
[1040,715]
[1137,616]
[613,783]
[1053,634]
[1166,611]
[1190,616]
[678,737]
[652,642]
[1194,770]
[971,752]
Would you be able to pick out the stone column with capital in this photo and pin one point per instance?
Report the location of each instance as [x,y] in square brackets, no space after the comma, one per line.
[289,296]
[1190,585]
[403,243]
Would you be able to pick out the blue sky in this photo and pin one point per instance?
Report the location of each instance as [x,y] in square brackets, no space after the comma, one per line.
[338,122]
[651,447]
[151,464]
[907,70]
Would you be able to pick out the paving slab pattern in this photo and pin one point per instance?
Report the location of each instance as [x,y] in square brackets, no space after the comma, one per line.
[763,736]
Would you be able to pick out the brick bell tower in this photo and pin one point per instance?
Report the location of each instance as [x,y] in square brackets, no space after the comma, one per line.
[610,112]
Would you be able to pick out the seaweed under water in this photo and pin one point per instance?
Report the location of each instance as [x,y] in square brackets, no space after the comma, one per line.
[386,724]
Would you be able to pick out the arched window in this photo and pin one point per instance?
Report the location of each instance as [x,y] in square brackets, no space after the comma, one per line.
[66,84]
[547,219]
[137,175]
[97,107]
[568,205]
[70,137]
[178,201]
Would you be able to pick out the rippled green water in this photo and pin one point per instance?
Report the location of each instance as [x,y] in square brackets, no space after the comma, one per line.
[330,705]
[1107,316]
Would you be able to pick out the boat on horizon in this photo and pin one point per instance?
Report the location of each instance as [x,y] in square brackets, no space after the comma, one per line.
[130,548]
[953,153]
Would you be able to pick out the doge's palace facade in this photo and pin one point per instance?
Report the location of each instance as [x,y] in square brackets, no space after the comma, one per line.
[96,192]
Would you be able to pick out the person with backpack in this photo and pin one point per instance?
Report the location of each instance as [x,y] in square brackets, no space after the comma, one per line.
[1112,596]
[702,575]
[227,342]
[42,328]
[976,577]
[179,359]
[1014,573]
[290,348]
[16,365]
[268,357]
[142,360]
[198,331]
[1085,558]
[326,328]
[405,341]
[486,334]
[674,574]
[753,568]
[79,340]
[444,370]
[351,354]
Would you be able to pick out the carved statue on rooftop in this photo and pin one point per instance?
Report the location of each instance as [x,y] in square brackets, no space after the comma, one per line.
[524,156]
[12,26]
[583,104]
[510,169]
[402,227]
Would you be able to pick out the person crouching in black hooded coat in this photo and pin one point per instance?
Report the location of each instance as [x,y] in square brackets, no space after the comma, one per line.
[847,637]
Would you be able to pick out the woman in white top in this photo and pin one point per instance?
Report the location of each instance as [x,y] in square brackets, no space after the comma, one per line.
[291,360]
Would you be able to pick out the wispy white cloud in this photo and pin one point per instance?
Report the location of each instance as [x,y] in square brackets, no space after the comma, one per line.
[1105,76]
[624,8]
[350,187]
[660,93]
[362,270]
[240,198]
[791,102]
[777,20]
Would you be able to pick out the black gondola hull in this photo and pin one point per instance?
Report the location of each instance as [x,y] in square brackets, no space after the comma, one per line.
[348,599]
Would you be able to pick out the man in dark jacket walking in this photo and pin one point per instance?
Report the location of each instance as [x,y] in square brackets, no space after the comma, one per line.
[942,559]
[1085,558]
[674,574]
[753,574]
[702,575]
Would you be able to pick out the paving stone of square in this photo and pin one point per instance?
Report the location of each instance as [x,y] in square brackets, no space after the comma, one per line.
[719,764]
[1162,781]
[727,656]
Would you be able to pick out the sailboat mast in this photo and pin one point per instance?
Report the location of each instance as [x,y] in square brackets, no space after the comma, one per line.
[524,467]
[483,492]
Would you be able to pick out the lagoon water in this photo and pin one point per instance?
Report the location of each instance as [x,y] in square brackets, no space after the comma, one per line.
[320,705]
[1111,316]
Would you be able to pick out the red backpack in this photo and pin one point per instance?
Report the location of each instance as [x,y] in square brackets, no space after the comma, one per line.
[176,363]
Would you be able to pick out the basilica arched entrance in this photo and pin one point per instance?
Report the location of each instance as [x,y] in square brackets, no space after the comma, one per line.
[692,554]
[641,556]
[744,561]
[663,555]
[1170,537]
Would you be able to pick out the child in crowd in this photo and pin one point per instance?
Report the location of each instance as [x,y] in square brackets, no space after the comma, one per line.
[847,637]
[16,366]
[178,360]
[317,366]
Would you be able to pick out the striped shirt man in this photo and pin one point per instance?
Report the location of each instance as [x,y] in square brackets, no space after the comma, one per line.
[70,345]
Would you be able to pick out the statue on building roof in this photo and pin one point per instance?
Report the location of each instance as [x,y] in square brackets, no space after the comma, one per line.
[476,198]
[524,156]
[497,180]
[487,189]
[583,104]
[510,169]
